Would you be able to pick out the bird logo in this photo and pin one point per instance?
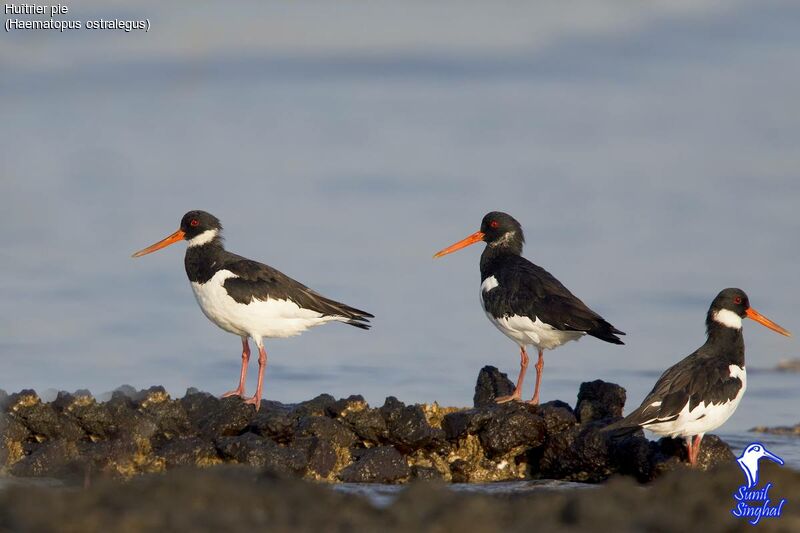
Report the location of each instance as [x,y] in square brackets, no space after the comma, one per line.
[748,461]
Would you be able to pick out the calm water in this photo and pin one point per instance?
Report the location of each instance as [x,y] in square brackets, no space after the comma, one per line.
[650,154]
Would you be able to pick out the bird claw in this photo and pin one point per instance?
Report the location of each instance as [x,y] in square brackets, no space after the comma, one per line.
[506,399]
[237,392]
[255,400]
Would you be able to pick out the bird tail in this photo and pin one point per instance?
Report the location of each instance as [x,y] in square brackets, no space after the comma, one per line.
[351,315]
[607,332]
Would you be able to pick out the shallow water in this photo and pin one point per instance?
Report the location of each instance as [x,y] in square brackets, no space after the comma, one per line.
[650,154]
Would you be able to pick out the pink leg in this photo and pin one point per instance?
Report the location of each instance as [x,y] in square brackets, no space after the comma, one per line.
[695,450]
[262,364]
[523,366]
[539,366]
[689,449]
[239,391]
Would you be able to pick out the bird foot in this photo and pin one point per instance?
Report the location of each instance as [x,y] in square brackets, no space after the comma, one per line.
[237,392]
[255,400]
[534,401]
[505,399]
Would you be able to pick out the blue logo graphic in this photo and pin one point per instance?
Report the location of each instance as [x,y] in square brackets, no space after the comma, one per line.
[754,504]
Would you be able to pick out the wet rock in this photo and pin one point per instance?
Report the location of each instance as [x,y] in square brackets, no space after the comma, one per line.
[321,457]
[12,437]
[169,416]
[368,424]
[557,415]
[407,426]
[326,429]
[256,451]
[95,419]
[53,458]
[231,417]
[342,407]
[315,407]
[491,384]
[189,451]
[383,464]
[461,423]
[634,456]
[42,420]
[580,453]
[275,422]
[672,454]
[778,430]
[198,405]
[518,426]
[599,400]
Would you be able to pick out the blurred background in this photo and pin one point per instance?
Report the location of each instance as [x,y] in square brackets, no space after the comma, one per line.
[648,149]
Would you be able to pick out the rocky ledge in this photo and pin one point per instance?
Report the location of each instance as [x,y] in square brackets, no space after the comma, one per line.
[76,437]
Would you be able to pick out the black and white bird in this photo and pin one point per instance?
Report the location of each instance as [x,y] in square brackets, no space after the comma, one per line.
[524,301]
[700,393]
[247,298]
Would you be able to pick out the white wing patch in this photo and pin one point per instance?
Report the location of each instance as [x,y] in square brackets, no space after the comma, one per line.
[704,417]
[260,318]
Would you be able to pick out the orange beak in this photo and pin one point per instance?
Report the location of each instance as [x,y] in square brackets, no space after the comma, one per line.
[472,239]
[163,243]
[761,319]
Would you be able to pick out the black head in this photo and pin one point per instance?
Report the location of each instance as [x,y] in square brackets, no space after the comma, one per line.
[197,227]
[501,229]
[731,306]
[731,299]
[197,222]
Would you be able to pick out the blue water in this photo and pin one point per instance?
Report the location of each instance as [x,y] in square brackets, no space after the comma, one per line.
[650,154]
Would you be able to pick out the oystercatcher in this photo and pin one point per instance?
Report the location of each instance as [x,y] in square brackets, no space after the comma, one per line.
[526,302]
[247,298]
[702,391]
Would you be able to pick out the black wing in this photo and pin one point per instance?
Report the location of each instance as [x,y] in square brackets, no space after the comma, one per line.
[261,282]
[702,376]
[529,290]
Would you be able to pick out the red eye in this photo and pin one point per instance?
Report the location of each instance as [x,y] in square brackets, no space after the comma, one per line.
[737,300]
[194,223]
[494,224]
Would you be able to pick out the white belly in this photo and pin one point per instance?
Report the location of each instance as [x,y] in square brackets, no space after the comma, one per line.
[525,331]
[270,318]
[704,417]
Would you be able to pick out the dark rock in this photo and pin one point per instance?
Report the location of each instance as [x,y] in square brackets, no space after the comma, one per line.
[231,417]
[671,454]
[12,436]
[51,459]
[425,473]
[778,430]
[383,464]
[188,451]
[580,453]
[515,425]
[198,405]
[43,421]
[459,424]
[125,390]
[314,407]
[129,421]
[343,406]
[557,416]
[155,394]
[169,416]
[368,424]
[3,400]
[320,455]
[95,419]
[326,429]
[262,453]
[275,422]
[491,384]
[407,426]
[635,456]
[599,400]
